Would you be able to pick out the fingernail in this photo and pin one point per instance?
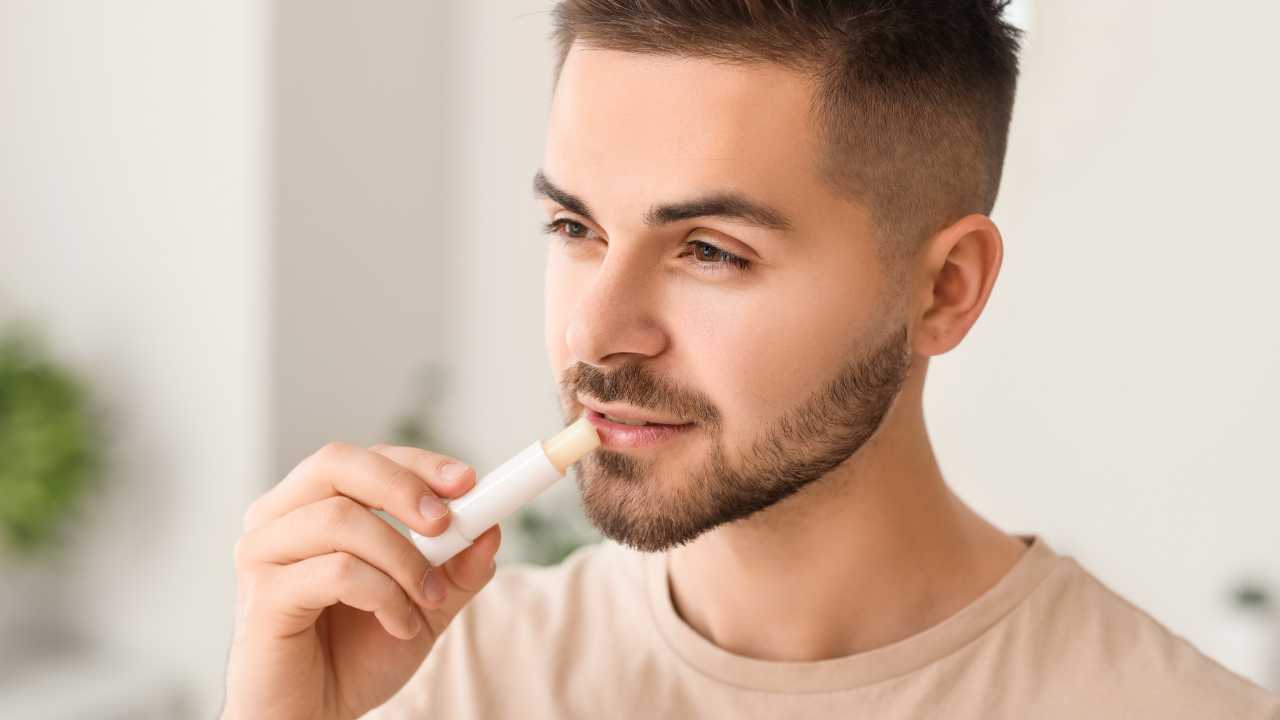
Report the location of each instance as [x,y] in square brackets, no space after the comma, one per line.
[431,507]
[433,586]
[452,472]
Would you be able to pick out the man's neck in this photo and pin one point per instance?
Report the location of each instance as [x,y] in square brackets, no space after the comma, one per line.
[875,552]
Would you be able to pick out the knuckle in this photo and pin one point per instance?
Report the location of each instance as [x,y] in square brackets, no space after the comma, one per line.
[333,450]
[342,567]
[335,511]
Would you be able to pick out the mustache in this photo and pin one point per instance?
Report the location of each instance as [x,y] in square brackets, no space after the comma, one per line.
[634,384]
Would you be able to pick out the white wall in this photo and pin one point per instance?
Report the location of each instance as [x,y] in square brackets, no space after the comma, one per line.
[132,222]
[498,94]
[361,262]
[407,135]
[1119,394]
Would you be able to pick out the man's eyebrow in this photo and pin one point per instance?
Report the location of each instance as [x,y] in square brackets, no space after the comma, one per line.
[543,187]
[729,205]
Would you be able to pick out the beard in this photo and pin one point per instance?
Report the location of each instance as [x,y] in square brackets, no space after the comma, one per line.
[623,499]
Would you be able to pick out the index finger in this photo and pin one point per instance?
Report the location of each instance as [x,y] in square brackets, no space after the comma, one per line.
[446,476]
[367,477]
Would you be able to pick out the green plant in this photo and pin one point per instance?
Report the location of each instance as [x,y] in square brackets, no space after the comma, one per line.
[48,448]
[1251,595]
[549,536]
[413,427]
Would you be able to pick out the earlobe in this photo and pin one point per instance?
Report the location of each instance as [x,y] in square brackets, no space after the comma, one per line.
[962,263]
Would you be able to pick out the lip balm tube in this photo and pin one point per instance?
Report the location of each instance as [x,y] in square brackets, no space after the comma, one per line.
[505,489]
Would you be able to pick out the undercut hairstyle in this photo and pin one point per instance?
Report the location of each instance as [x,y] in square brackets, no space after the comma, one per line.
[911,101]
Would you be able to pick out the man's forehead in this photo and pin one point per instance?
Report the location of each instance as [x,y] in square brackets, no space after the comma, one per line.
[663,126]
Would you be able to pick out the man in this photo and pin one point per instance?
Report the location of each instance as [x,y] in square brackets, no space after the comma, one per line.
[765,218]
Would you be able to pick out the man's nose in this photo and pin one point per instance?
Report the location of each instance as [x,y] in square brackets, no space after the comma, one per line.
[614,321]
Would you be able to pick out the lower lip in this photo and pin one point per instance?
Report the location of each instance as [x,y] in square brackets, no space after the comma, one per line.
[622,436]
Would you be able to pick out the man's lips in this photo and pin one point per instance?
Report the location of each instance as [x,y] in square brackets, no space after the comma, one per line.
[628,414]
[620,436]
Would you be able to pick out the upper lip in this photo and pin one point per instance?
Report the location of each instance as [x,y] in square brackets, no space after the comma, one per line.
[627,412]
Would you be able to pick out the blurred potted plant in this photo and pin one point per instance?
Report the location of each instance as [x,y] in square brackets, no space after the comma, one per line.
[48,448]
[49,454]
[1249,638]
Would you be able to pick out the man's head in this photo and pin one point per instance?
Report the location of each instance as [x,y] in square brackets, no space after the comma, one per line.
[739,194]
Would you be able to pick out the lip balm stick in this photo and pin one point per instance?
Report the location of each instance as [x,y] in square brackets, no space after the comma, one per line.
[503,491]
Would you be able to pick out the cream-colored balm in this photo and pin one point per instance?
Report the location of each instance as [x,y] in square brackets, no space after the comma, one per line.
[503,491]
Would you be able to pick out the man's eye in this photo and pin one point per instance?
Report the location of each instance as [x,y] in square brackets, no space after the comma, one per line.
[566,228]
[704,253]
[707,254]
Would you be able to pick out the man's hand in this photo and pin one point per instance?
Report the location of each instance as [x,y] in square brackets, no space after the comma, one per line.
[335,609]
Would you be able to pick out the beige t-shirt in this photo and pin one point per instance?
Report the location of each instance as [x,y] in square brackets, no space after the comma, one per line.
[597,636]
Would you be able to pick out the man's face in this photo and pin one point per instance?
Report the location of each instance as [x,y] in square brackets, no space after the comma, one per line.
[764,376]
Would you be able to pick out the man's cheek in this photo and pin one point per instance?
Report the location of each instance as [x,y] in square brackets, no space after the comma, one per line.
[554,336]
[564,291]
[746,375]
[556,289]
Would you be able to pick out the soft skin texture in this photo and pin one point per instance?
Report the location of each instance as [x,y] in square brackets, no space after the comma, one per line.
[875,549]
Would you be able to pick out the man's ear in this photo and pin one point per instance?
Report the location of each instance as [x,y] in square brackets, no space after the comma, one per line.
[960,265]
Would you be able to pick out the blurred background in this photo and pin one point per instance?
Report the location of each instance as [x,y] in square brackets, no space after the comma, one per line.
[233,231]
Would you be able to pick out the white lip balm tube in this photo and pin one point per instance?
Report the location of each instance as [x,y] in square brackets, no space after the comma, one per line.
[503,491]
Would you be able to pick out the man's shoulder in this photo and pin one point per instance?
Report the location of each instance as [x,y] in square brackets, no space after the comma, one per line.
[1097,642]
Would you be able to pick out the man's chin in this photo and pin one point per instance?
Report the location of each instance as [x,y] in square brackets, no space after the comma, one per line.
[633,509]
[641,534]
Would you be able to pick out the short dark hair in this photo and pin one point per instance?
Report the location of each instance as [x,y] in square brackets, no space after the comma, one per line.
[912,97]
